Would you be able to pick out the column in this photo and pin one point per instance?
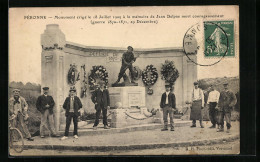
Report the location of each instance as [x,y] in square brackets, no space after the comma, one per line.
[52,64]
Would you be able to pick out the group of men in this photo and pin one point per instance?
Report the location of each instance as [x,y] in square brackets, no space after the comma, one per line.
[220,106]
[18,111]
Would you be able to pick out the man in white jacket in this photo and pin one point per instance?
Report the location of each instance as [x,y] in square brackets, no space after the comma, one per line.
[213,103]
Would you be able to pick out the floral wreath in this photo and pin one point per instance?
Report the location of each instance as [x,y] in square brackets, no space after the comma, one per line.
[97,73]
[73,75]
[149,75]
[169,72]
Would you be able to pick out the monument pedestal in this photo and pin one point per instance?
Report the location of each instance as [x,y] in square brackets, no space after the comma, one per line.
[133,96]
[130,107]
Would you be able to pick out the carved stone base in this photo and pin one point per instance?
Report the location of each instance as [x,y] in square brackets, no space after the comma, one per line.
[129,117]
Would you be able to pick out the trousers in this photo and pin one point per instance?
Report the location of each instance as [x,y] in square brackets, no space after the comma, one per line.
[20,124]
[104,113]
[227,115]
[213,112]
[123,68]
[45,118]
[168,110]
[71,115]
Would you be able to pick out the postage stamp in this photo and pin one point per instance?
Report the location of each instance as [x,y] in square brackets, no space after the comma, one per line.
[219,39]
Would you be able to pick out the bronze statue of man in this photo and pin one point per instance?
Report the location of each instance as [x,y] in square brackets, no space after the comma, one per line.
[127,60]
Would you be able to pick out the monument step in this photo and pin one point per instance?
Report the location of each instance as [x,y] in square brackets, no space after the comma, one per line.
[88,128]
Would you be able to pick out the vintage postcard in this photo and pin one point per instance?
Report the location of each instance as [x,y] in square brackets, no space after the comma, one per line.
[124,81]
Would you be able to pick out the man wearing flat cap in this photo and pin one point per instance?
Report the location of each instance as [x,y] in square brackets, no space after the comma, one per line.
[197,105]
[45,104]
[168,105]
[127,60]
[227,101]
[72,106]
[18,112]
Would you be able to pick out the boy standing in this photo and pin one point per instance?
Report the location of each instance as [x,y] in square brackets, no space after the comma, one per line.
[168,103]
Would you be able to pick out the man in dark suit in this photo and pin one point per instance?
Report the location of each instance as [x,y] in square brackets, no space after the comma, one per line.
[72,105]
[101,99]
[45,104]
[168,104]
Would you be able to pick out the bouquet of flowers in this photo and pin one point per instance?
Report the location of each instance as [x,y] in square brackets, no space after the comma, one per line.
[169,72]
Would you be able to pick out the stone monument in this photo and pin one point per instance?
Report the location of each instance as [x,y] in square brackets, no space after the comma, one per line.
[131,100]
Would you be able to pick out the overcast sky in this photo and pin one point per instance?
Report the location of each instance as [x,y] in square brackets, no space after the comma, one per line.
[25,47]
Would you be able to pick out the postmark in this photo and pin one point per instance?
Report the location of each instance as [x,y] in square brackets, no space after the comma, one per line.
[212,39]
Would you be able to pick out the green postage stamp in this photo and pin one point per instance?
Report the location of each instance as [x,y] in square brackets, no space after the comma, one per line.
[219,39]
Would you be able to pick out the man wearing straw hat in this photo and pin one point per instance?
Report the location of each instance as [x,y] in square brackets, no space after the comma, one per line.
[72,105]
[197,105]
[18,110]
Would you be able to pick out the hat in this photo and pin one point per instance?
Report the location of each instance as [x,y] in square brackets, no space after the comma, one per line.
[73,89]
[18,90]
[195,83]
[45,88]
[130,47]
[167,84]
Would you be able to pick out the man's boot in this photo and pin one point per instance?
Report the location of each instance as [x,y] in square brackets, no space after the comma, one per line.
[172,128]
[165,128]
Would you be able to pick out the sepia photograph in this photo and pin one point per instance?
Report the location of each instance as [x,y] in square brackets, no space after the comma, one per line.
[158,80]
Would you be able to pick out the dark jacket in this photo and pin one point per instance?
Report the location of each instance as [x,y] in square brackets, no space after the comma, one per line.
[128,57]
[171,100]
[101,99]
[227,100]
[77,105]
[42,101]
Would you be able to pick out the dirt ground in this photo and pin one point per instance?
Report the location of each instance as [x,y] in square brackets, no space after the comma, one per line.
[224,148]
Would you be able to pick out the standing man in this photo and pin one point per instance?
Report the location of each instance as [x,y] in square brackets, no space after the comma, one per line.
[45,104]
[18,112]
[101,99]
[168,104]
[213,99]
[72,105]
[227,101]
[127,60]
[197,105]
